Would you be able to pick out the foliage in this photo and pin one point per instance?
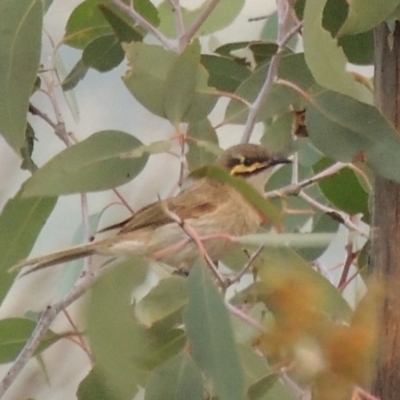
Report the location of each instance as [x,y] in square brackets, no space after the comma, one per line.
[284,323]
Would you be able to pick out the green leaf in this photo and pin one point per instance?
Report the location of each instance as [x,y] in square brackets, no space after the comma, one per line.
[101,162]
[180,84]
[223,14]
[103,53]
[85,23]
[20,46]
[325,58]
[292,240]
[153,75]
[344,190]
[281,99]
[257,390]
[21,221]
[77,73]
[117,341]
[163,300]
[203,144]
[15,332]
[337,133]
[210,335]
[125,31]
[94,387]
[177,379]
[225,74]
[364,16]
[245,189]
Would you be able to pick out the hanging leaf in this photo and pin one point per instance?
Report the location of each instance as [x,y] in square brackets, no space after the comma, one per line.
[210,335]
[100,162]
[20,46]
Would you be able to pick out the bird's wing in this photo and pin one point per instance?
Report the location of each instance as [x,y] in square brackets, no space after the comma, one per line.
[201,198]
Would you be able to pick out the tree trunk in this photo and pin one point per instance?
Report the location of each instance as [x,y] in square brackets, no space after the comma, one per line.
[385,238]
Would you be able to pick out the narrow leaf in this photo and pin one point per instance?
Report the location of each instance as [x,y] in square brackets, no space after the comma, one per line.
[210,335]
[97,163]
[325,58]
[177,379]
[368,138]
[21,221]
[20,46]
[15,332]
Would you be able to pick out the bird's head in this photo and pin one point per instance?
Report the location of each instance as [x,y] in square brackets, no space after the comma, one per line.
[252,162]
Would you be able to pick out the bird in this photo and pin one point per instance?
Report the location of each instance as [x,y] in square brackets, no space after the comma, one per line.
[213,209]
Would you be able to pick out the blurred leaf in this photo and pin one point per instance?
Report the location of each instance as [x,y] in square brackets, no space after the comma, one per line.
[202,140]
[15,332]
[20,224]
[278,135]
[20,46]
[169,296]
[245,189]
[117,341]
[359,49]
[222,15]
[257,51]
[103,53]
[153,82]
[257,390]
[85,23]
[180,84]
[295,292]
[77,73]
[325,58]
[210,335]
[177,379]
[343,190]
[225,74]
[94,387]
[270,31]
[281,99]
[369,137]
[124,31]
[363,16]
[292,240]
[148,11]
[97,163]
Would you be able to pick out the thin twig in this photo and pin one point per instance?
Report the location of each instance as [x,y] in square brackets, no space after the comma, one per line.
[247,266]
[35,111]
[342,217]
[350,257]
[42,327]
[244,317]
[144,24]
[191,31]
[191,232]
[177,10]
[294,189]
[283,39]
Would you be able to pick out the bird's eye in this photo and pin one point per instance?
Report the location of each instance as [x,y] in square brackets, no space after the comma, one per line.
[247,162]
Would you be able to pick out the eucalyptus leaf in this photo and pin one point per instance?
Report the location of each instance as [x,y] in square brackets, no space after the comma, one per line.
[210,335]
[97,163]
[369,137]
[21,222]
[20,46]
[15,332]
[325,58]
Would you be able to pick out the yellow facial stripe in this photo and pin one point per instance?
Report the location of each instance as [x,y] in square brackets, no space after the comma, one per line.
[243,169]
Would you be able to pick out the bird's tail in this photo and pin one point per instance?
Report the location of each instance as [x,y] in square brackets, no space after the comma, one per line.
[57,257]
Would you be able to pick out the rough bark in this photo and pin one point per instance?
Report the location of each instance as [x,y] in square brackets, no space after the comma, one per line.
[385,238]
